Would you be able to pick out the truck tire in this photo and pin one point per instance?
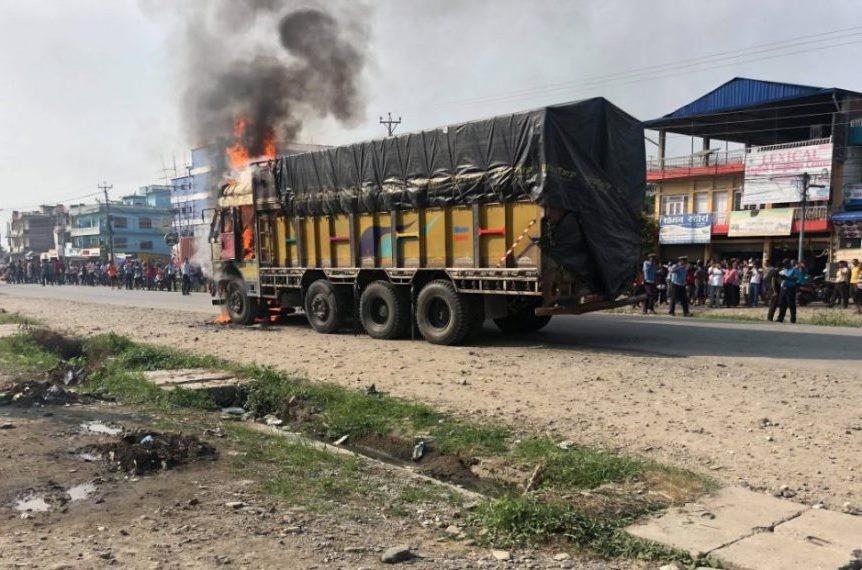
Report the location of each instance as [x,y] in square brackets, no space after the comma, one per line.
[384,310]
[522,319]
[325,307]
[442,315]
[241,309]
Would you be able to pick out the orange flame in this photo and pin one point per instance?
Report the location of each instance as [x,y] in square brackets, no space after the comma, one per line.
[238,154]
[222,319]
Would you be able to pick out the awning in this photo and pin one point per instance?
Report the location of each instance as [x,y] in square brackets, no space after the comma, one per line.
[847,217]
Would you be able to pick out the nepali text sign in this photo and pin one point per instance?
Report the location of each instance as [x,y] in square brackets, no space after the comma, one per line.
[685,228]
[774,174]
[771,222]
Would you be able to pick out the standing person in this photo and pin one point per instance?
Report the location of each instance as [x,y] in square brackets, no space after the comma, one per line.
[661,283]
[112,276]
[790,278]
[187,277]
[754,282]
[855,270]
[731,285]
[650,270]
[716,283]
[678,272]
[690,288]
[841,291]
[171,276]
[700,280]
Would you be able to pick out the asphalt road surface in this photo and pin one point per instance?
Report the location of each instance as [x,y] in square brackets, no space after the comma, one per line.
[788,345]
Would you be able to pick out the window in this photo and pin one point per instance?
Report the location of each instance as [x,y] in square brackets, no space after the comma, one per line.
[701,203]
[719,202]
[145,223]
[674,205]
[737,202]
[146,245]
[120,242]
[119,222]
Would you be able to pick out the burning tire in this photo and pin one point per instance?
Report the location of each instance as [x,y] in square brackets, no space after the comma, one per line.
[442,315]
[326,307]
[522,319]
[384,310]
[240,308]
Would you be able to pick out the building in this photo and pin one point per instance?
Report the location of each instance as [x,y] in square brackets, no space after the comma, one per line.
[33,231]
[737,193]
[139,222]
[193,193]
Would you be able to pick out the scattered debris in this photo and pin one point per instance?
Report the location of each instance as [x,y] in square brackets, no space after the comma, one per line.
[418,451]
[142,451]
[396,554]
[501,555]
[566,444]
[341,440]
[214,432]
[535,478]
[7,425]
[272,420]
[30,393]
[234,505]
[372,391]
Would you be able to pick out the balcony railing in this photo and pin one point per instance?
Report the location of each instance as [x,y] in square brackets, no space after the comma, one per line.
[701,164]
[812,213]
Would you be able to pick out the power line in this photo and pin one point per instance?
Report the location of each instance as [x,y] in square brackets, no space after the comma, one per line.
[631,76]
[104,186]
[390,124]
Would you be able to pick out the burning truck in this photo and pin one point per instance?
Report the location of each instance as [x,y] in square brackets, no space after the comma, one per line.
[515,218]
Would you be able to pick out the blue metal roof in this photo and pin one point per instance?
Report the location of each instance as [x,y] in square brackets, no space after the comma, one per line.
[847,217]
[740,93]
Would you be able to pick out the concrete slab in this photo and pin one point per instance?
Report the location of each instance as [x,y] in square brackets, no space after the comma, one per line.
[777,551]
[717,520]
[192,378]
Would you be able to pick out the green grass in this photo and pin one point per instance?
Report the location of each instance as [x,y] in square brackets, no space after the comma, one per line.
[527,520]
[729,316]
[19,353]
[576,467]
[299,473]
[15,319]
[340,411]
[835,319]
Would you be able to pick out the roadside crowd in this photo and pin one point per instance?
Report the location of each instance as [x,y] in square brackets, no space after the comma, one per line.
[130,274]
[734,283]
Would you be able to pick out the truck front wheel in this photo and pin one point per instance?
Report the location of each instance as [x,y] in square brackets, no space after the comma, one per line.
[240,308]
[442,315]
[325,307]
[384,310]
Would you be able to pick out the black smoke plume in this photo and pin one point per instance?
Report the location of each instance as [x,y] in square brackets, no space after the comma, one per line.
[273,64]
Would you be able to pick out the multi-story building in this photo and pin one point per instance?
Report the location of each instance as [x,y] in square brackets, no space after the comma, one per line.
[33,231]
[139,223]
[738,192]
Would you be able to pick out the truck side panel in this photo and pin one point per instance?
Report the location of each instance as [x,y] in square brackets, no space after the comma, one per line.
[452,237]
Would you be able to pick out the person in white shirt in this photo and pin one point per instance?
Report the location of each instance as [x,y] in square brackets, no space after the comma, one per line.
[716,284]
[754,284]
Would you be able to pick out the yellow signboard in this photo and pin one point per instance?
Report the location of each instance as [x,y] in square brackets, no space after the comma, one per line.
[756,223]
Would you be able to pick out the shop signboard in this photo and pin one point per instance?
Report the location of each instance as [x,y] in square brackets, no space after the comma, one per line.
[773,174]
[757,223]
[685,228]
[853,196]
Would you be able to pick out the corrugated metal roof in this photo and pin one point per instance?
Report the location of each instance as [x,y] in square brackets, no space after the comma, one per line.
[740,93]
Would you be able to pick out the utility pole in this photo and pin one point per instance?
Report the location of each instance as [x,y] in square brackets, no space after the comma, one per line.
[390,123]
[806,184]
[104,187]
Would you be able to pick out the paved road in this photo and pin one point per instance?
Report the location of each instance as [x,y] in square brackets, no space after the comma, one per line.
[788,345]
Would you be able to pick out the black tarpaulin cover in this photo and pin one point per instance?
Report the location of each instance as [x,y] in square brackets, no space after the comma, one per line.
[585,157]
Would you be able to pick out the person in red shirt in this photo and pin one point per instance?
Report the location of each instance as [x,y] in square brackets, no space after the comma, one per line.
[112,275]
[731,285]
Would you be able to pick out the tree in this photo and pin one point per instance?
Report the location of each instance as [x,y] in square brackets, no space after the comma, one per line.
[649,233]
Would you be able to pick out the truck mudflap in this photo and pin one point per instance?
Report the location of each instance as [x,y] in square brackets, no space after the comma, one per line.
[579,306]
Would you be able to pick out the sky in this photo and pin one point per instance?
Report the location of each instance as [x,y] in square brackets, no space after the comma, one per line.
[90,90]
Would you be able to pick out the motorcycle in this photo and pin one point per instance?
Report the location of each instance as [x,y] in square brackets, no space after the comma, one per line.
[816,290]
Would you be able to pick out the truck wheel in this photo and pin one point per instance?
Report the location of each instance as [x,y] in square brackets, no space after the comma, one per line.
[240,308]
[384,310]
[522,320]
[325,308]
[442,315]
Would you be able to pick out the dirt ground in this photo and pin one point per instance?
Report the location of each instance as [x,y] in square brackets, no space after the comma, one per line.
[80,512]
[724,418]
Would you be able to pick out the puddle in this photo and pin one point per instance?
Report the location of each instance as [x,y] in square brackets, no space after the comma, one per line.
[33,504]
[81,492]
[102,428]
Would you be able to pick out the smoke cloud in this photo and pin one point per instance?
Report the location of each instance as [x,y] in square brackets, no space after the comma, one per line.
[273,63]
